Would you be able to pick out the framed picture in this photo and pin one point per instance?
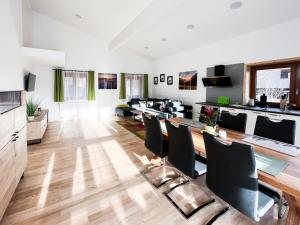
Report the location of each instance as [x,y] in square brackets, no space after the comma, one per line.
[155,80]
[188,80]
[162,78]
[170,80]
[107,81]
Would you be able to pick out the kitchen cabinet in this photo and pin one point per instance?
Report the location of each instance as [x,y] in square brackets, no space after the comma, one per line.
[13,152]
[252,115]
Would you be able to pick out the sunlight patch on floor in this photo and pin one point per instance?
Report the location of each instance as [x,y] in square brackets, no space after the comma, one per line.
[94,160]
[124,167]
[79,216]
[78,176]
[92,129]
[138,193]
[46,182]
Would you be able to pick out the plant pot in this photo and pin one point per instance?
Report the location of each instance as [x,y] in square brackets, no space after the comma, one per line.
[30,118]
[210,129]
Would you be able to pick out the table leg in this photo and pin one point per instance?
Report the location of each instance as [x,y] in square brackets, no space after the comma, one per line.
[293,217]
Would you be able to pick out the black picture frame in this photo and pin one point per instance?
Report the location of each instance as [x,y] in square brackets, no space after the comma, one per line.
[169,80]
[155,80]
[162,77]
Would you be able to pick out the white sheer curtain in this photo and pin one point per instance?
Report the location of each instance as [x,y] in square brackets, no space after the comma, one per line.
[134,86]
[75,85]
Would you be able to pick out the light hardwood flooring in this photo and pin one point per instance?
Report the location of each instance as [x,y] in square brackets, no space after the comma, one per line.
[88,172]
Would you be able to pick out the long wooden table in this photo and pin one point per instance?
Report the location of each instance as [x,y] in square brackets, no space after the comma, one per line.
[288,181]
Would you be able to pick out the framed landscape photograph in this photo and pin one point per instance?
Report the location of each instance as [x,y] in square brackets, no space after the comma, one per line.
[188,80]
[107,81]
[155,80]
[169,80]
[162,78]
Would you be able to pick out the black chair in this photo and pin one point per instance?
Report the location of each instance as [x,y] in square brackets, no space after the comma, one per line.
[233,122]
[232,175]
[283,131]
[182,156]
[155,142]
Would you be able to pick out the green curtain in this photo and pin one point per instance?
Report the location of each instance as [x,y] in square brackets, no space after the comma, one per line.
[122,87]
[91,86]
[146,86]
[58,86]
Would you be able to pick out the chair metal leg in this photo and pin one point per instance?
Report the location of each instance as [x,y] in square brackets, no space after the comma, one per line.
[219,214]
[176,186]
[282,208]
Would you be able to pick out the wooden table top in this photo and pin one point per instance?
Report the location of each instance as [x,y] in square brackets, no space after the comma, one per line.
[288,180]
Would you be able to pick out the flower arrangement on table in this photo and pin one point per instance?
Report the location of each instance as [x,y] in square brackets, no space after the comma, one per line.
[210,117]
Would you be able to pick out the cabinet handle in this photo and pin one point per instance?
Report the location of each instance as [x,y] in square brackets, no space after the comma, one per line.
[258,113]
[274,115]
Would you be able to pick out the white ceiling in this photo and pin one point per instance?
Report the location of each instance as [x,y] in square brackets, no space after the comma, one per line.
[134,24]
[104,18]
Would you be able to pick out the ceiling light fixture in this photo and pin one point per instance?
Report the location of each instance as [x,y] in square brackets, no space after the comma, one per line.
[146,47]
[190,26]
[78,16]
[163,39]
[236,5]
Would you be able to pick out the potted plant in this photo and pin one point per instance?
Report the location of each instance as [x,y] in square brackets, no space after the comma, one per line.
[211,117]
[31,108]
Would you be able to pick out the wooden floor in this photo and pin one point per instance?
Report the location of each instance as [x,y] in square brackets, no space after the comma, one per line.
[88,172]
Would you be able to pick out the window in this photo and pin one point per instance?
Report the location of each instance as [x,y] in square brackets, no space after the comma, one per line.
[273,84]
[134,86]
[75,85]
[275,80]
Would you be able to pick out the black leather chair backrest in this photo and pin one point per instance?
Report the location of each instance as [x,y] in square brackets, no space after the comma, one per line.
[181,153]
[283,130]
[233,122]
[154,137]
[203,113]
[232,175]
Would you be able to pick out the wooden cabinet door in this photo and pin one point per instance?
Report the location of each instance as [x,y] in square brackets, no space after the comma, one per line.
[7,127]
[20,118]
[21,153]
[7,175]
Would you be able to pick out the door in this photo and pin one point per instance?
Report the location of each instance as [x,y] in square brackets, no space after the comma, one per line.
[21,153]
[7,175]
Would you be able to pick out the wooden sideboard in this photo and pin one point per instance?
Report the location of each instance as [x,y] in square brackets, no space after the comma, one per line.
[36,128]
[13,151]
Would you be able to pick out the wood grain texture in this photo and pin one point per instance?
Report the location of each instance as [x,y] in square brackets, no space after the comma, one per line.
[288,181]
[89,172]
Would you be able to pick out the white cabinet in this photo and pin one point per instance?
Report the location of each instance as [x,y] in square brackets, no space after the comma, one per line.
[232,111]
[251,120]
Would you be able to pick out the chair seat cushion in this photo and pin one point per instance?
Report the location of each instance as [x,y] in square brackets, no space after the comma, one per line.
[264,204]
[200,167]
[269,190]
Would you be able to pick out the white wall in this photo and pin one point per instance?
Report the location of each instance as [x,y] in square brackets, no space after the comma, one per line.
[11,74]
[277,42]
[83,52]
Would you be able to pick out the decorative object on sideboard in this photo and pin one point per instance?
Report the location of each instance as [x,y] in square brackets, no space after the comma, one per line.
[210,117]
[31,108]
[155,80]
[107,81]
[162,77]
[188,80]
[169,80]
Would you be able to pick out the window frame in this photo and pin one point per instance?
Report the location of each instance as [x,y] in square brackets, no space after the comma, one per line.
[86,94]
[293,80]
